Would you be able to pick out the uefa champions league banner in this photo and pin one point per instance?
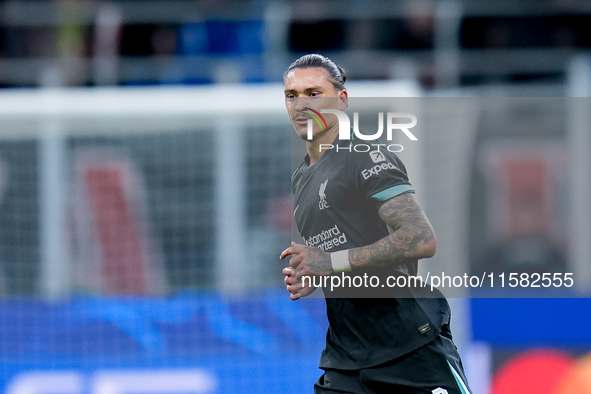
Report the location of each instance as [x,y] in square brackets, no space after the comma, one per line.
[204,343]
[194,342]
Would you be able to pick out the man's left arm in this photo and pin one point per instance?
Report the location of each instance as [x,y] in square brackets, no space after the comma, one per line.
[412,237]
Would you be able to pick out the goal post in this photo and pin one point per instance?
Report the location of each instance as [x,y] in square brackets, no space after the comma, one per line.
[213,135]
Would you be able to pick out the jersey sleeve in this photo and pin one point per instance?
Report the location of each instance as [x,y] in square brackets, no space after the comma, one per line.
[379,175]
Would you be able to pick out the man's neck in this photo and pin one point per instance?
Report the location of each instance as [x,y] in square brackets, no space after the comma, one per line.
[313,147]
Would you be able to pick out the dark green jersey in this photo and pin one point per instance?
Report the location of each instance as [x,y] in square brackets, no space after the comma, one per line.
[336,203]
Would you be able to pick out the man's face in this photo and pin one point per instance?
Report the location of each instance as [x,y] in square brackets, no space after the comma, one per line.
[308,89]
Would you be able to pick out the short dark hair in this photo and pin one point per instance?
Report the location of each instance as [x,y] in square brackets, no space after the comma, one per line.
[336,74]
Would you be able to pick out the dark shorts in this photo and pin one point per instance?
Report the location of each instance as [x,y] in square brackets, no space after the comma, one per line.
[435,368]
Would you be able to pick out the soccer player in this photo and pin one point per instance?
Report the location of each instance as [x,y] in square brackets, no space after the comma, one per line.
[363,222]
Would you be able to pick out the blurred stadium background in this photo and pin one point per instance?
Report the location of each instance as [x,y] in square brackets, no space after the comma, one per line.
[145,158]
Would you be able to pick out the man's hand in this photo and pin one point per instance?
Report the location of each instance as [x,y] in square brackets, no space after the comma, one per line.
[308,261]
[295,288]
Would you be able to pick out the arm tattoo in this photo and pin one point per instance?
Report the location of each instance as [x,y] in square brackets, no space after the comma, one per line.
[319,261]
[411,237]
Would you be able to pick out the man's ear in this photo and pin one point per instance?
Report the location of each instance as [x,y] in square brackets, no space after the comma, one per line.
[343,100]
